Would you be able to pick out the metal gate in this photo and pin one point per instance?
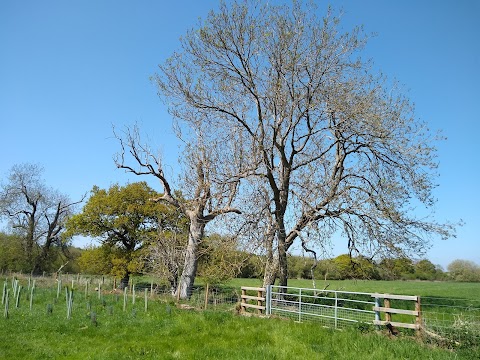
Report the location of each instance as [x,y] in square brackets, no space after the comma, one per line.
[332,308]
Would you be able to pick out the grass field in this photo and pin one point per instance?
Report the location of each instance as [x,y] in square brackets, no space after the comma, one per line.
[469,291]
[99,328]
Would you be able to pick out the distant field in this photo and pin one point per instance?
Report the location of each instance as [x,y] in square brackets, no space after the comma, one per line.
[469,291]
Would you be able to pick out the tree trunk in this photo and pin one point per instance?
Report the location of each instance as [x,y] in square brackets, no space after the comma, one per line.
[124,281]
[29,242]
[187,278]
[271,265]
[270,274]
[40,261]
[281,244]
[282,263]
[173,280]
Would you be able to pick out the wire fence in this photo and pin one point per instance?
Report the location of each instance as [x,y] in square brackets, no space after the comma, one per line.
[454,320]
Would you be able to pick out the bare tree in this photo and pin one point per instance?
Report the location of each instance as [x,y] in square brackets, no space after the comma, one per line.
[35,212]
[337,146]
[208,187]
[165,255]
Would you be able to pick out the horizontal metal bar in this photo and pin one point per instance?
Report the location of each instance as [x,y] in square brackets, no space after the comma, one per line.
[296,303]
[316,315]
[320,291]
[357,310]
[285,301]
[313,304]
[323,297]
[332,298]
[361,301]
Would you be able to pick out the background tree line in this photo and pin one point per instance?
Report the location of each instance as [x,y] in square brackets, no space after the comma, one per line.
[218,264]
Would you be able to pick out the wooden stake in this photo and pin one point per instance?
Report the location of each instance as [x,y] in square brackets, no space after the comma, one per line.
[386,304]
[206,297]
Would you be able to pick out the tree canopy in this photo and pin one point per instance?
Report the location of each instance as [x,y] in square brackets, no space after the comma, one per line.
[125,218]
[333,146]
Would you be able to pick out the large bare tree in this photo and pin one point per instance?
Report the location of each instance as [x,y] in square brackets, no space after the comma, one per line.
[36,213]
[207,188]
[338,147]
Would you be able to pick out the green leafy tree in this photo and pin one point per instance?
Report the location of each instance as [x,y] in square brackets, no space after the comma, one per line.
[12,256]
[464,270]
[220,259]
[96,260]
[123,219]
[355,268]
[252,267]
[426,270]
[397,268]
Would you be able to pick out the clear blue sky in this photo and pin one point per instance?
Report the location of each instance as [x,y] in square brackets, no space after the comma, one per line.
[71,69]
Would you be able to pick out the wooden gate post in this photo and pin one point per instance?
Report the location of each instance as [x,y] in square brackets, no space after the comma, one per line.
[259,302]
[244,299]
[418,318]
[386,304]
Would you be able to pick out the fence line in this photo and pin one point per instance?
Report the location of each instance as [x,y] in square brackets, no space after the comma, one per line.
[453,319]
[449,319]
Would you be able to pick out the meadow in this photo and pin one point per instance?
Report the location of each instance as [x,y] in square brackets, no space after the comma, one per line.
[469,291]
[105,327]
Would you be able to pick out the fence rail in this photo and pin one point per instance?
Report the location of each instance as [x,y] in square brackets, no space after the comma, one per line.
[388,311]
[259,298]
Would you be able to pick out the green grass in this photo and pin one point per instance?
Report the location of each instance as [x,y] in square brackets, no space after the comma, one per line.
[180,334]
[165,332]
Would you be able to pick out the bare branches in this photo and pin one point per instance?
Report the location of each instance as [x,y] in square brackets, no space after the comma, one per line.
[35,212]
[147,163]
[331,141]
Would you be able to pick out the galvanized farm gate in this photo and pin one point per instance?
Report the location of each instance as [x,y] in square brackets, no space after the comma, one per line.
[334,308]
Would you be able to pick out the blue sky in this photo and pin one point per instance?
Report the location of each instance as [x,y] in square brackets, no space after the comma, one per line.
[69,70]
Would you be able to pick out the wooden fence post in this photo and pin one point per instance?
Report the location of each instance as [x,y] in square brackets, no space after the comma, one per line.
[259,302]
[244,300]
[206,297]
[418,318]
[386,304]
